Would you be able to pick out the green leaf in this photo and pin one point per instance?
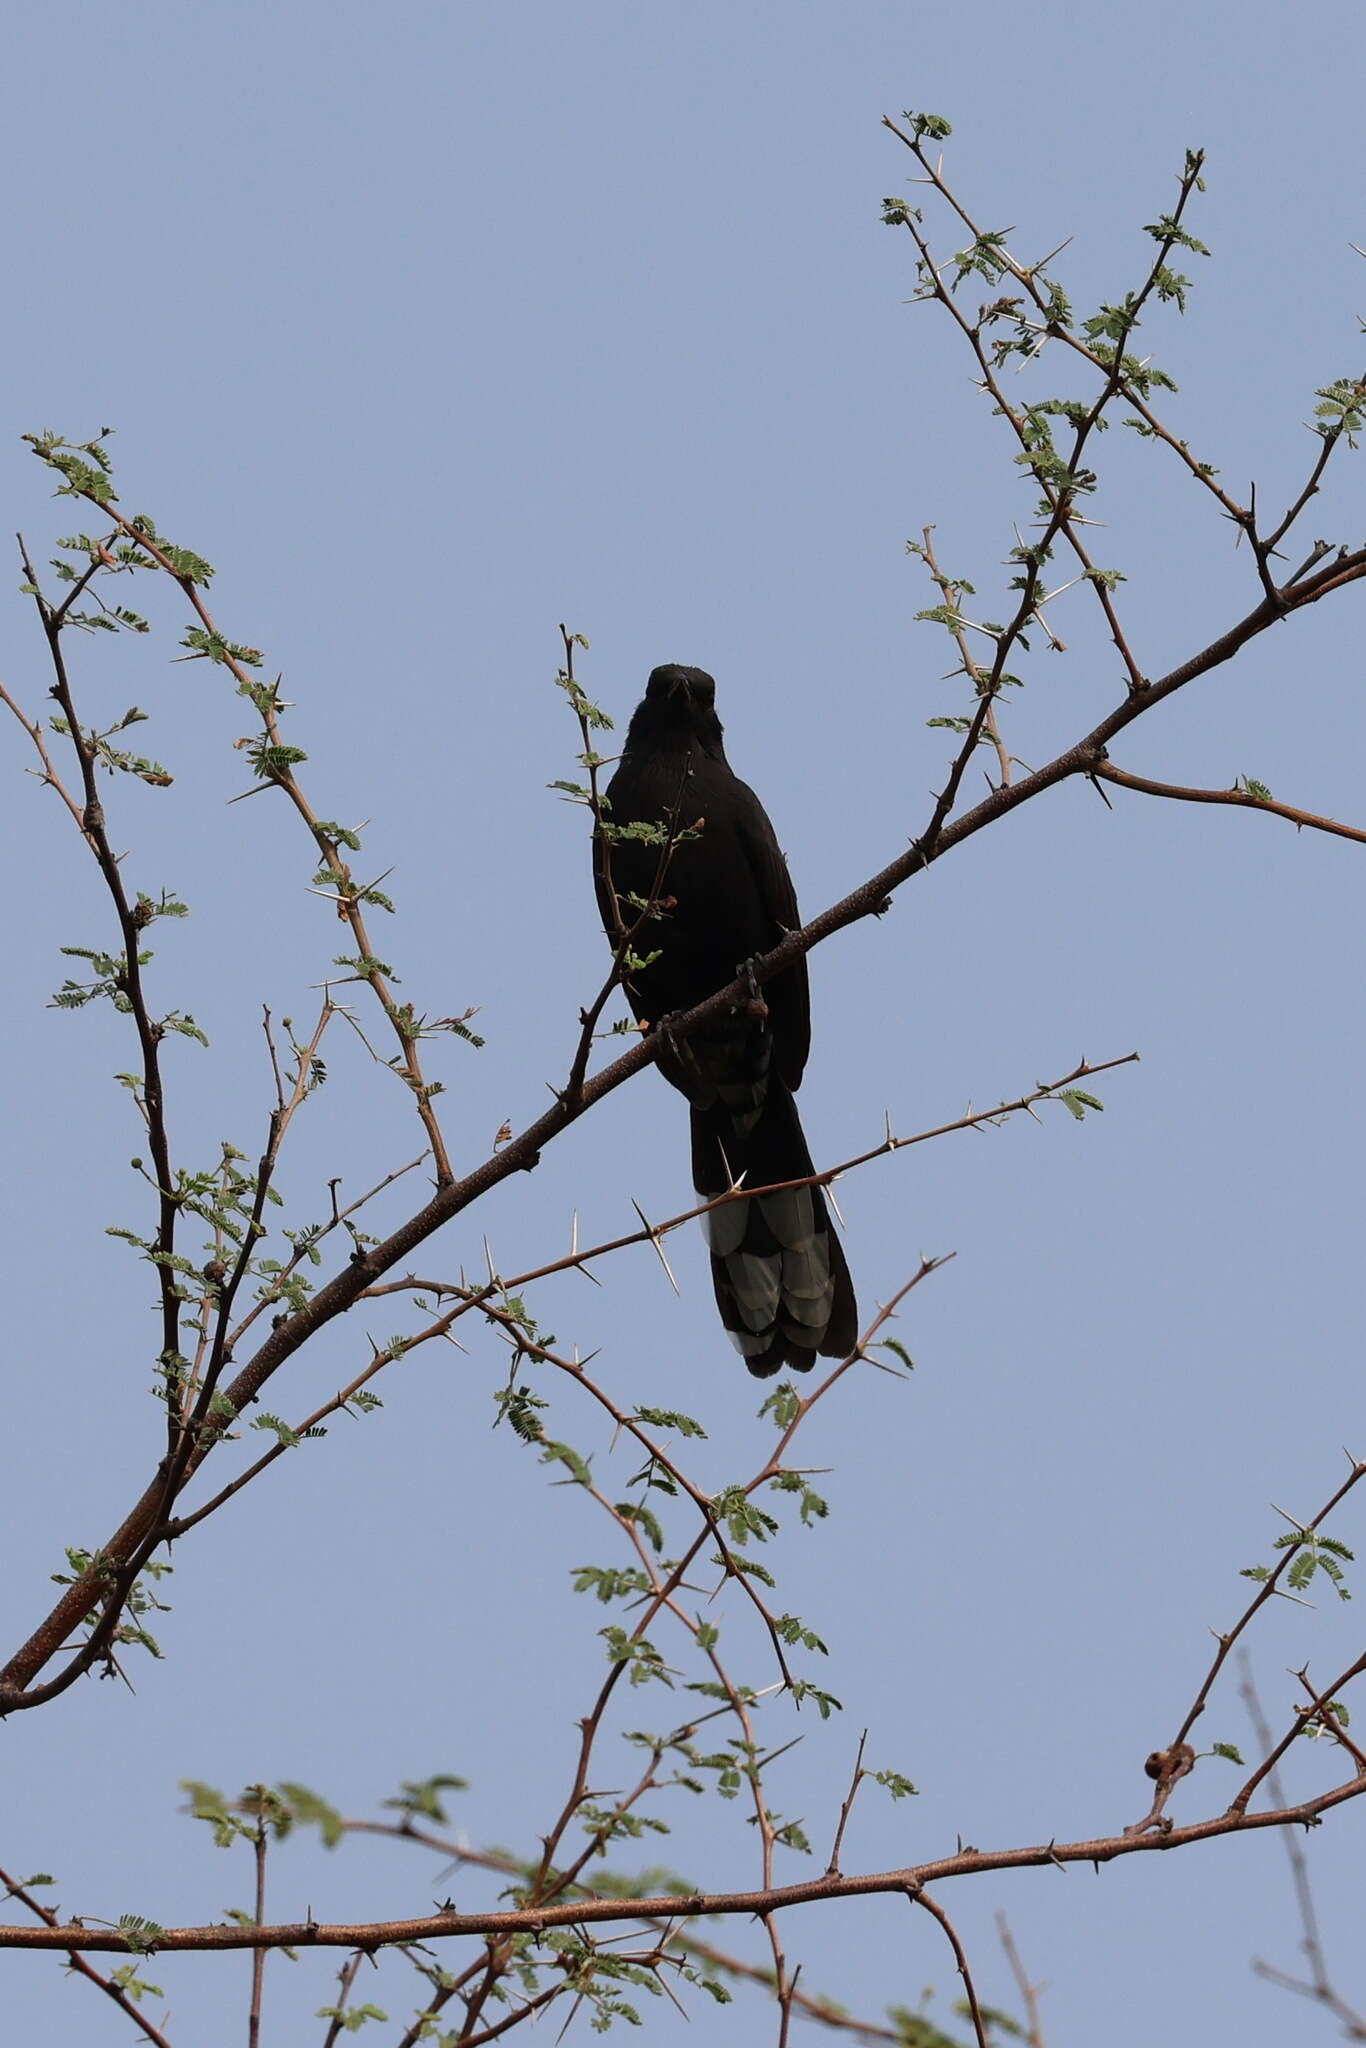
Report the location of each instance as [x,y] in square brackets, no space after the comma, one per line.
[609,1582]
[745,1567]
[742,1519]
[351,2017]
[421,1798]
[636,1511]
[207,646]
[812,1507]
[133,1986]
[141,1934]
[802,1689]
[642,1659]
[339,835]
[792,1631]
[670,1418]
[285,1436]
[272,762]
[1167,229]
[566,1455]
[1342,409]
[311,1811]
[782,1404]
[928,127]
[82,480]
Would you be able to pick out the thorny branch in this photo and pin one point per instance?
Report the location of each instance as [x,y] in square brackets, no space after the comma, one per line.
[918,1896]
[1319,1984]
[1178,1751]
[1249,800]
[1100,1849]
[139,1534]
[973,1120]
[131,923]
[480,1298]
[348,898]
[76,1962]
[151,1523]
[981,683]
[685,1940]
[198,1427]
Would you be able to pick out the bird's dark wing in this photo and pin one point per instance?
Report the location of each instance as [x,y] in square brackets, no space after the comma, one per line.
[789,994]
[729,894]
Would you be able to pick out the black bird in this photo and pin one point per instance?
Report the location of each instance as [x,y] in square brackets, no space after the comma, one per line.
[724,897]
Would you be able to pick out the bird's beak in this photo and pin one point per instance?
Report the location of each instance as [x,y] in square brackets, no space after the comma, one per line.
[680,687]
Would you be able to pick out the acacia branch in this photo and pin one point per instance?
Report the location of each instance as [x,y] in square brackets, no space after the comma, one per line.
[685,1940]
[1319,1985]
[138,1536]
[920,1897]
[258,1960]
[1175,1762]
[348,898]
[1059,499]
[952,597]
[832,1868]
[78,1965]
[1106,771]
[1100,1849]
[974,1120]
[1330,440]
[49,774]
[1266,1590]
[132,923]
[1051,329]
[1119,380]
[1303,1717]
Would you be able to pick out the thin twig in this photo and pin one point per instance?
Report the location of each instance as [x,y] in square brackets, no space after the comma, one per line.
[282,777]
[1313,1946]
[1029,1993]
[130,982]
[920,1897]
[258,1959]
[832,1868]
[1303,1718]
[81,1968]
[1267,1590]
[346,1977]
[1244,798]
[579,1258]
[684,1939]
[952,597]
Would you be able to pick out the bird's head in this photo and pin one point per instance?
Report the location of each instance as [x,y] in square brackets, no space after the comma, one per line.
[680,688]
[678,710]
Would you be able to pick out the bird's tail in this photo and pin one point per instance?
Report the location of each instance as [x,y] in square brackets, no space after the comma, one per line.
[781,1282]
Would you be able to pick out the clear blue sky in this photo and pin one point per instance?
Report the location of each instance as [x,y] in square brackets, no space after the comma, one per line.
[433,326]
